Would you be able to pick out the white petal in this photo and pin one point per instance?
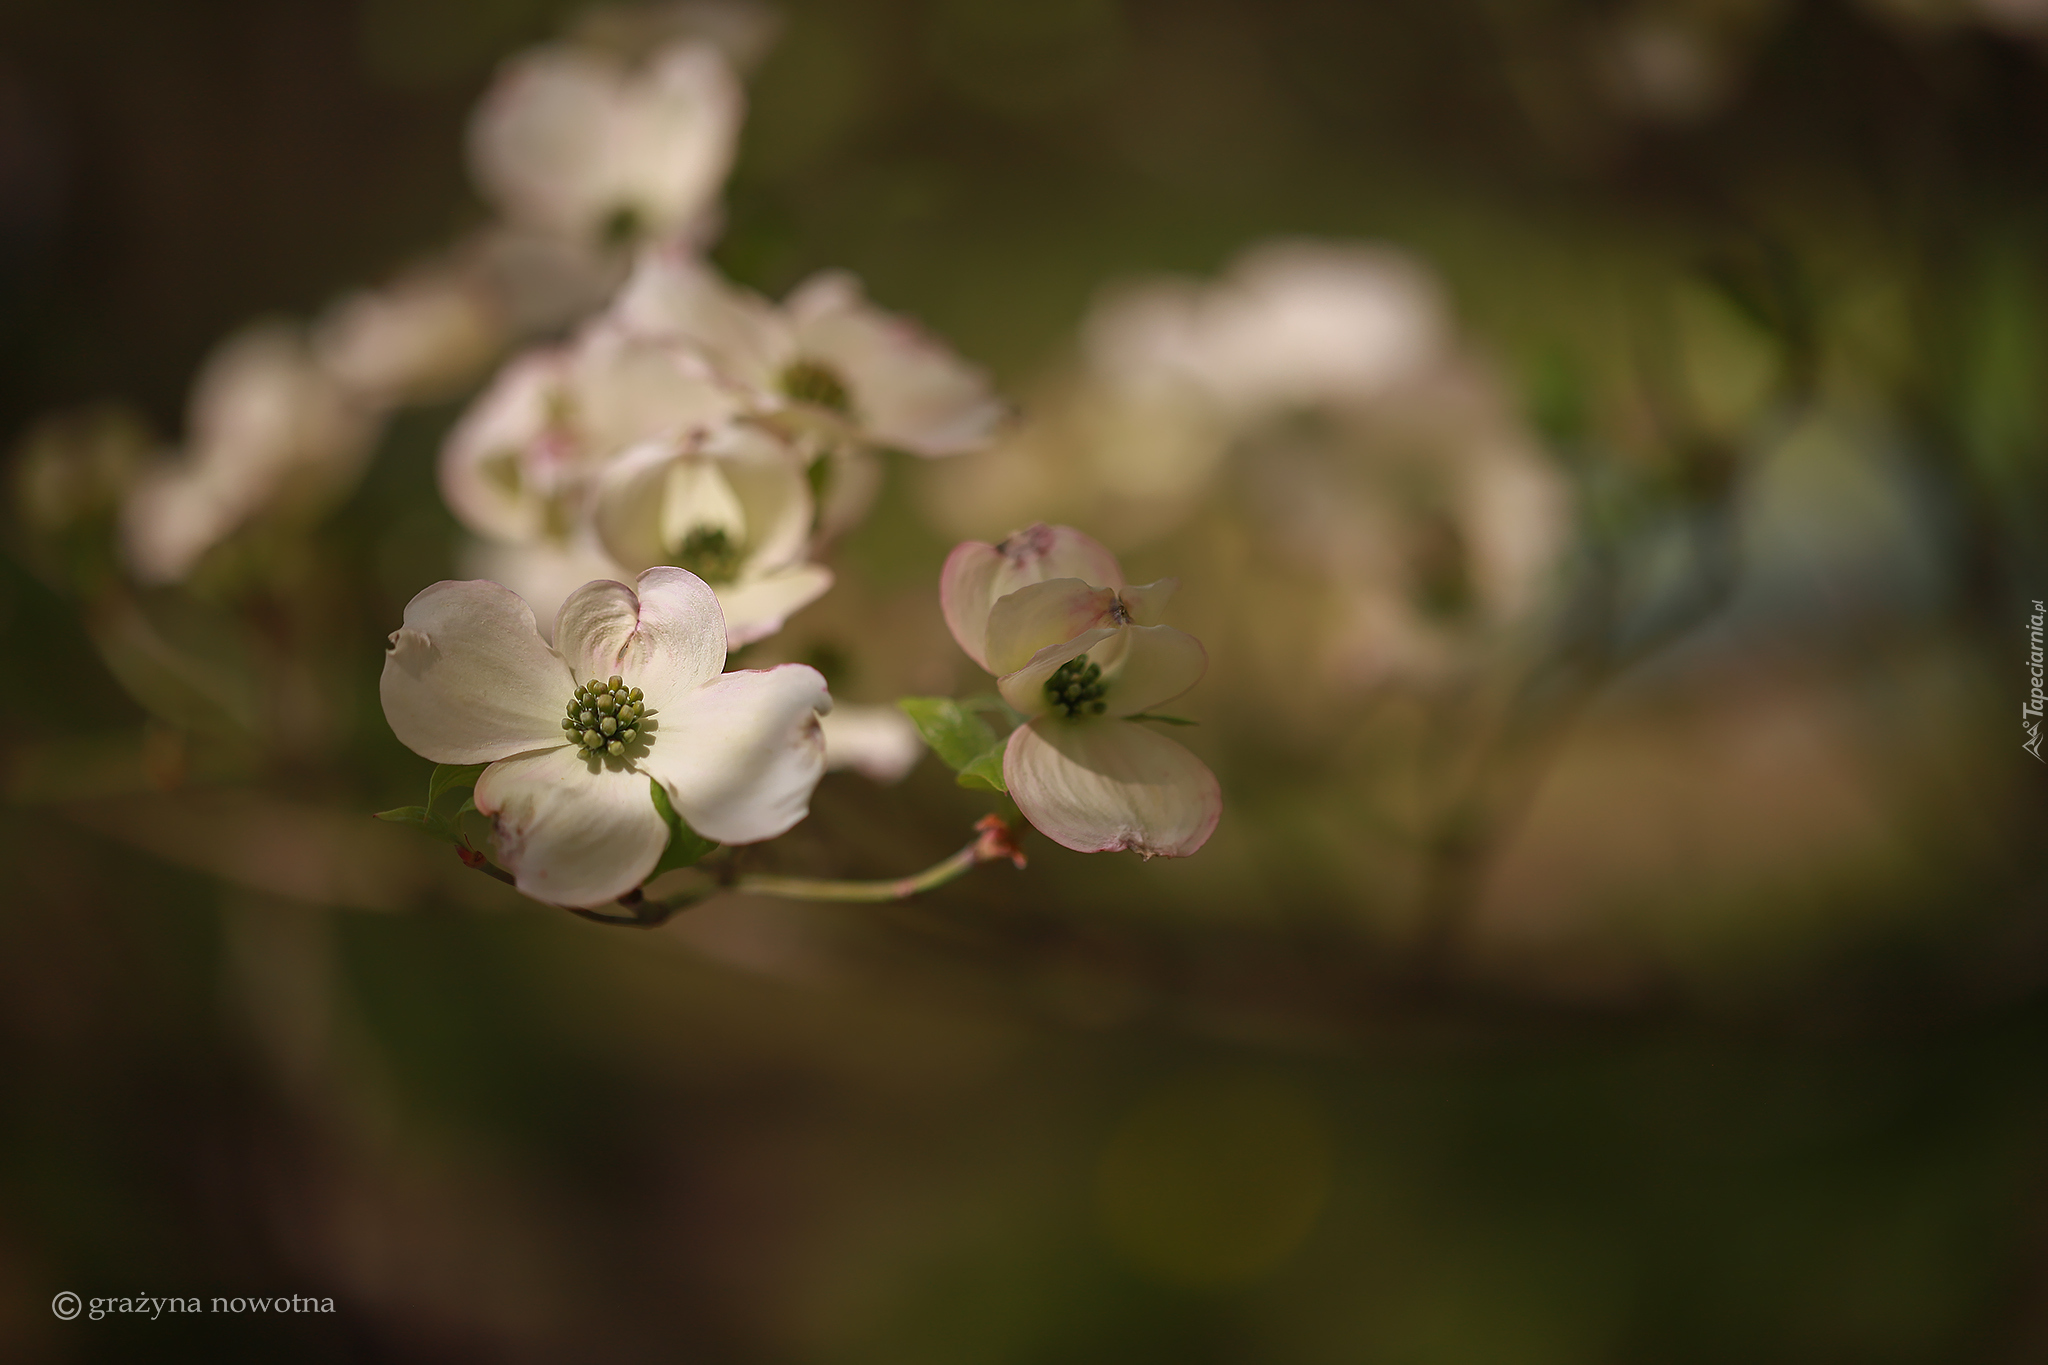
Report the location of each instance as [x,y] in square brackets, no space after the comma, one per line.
[537,140]
[1032,618]
[1097,786]
[627,506]
[667,639]
[1147,602]
[499,468]
[675,297]
[1024,689]
[625,390]
[741,755]
[878,742]
[756,608]
[572,830]
[966,592]
[467,678]
[674,139]
[544,573]
[1155,665]
[696,496]
[910,392]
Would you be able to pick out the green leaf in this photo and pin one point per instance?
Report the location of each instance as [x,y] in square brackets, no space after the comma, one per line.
[985,772]
[953,731]
[1164,720]
[446,781]
[423,820]
[686,847]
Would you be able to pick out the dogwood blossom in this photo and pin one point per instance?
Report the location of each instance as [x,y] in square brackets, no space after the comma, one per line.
[1079,660]
[584,145]
[468,679]
[519,466]
[825,363]
[731,505]
[268,427]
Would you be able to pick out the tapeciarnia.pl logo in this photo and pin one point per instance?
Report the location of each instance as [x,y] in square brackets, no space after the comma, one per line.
[2030,712]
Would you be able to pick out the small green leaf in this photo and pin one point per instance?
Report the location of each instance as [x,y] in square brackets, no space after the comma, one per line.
[953,731]
[1164,720]
[446,781]
[985,772]
[423,820]
[686,847]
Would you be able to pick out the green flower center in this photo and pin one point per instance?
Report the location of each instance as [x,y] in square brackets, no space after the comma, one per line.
[808,381]
[621,228]
[604,718]
[1077,689]
[709,553]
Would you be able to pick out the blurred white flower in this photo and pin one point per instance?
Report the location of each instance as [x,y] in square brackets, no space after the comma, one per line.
[269,429]
[1080,660]
[602,152]
[519,466]
[825,364]
[468,679]
[878,742]
[418,338]
[732,506]
[1290,323]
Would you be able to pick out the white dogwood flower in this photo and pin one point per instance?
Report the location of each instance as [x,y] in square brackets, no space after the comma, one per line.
[584,145]
[269,428]
[631,692]
[1079,661]
[732,506]
[826,362]
[878,742]
[519,466]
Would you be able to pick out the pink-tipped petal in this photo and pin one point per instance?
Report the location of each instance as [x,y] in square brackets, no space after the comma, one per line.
[467,678]
[1156,664]
[741,754]
[1146,603]
[1043,614]
[1024,689]
[1099,786]
[573,830]
[966,592]
[668,638]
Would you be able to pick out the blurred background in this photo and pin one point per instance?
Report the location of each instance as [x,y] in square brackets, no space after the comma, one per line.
[1627,934]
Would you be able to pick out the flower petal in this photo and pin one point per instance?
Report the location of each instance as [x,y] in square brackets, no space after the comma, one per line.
[467,678]
[977,574]
[1157,664]
[879,742]
[756,608]
[503,464]
[741,755]
[1097,786]
[675,297]
[573,830]
[1146,603]
[667,639]
[543,573]
[910,391]
[1024,689]
[1031,618]
[626,512]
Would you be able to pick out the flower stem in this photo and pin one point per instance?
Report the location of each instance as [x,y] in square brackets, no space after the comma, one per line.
[993,839]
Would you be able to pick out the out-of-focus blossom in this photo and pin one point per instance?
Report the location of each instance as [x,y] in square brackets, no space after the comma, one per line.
[1289,323]
[269,428]
[417,339]
[75,467]
[605,152]
[1079,661]
[878,742]
[742,30]
[468,679]
[732,506]
[518,467]
[543,572]
[826,363]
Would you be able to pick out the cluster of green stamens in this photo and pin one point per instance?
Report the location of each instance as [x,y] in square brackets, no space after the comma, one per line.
[604,717]
[808,381]
[1076,688]
[709,553]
